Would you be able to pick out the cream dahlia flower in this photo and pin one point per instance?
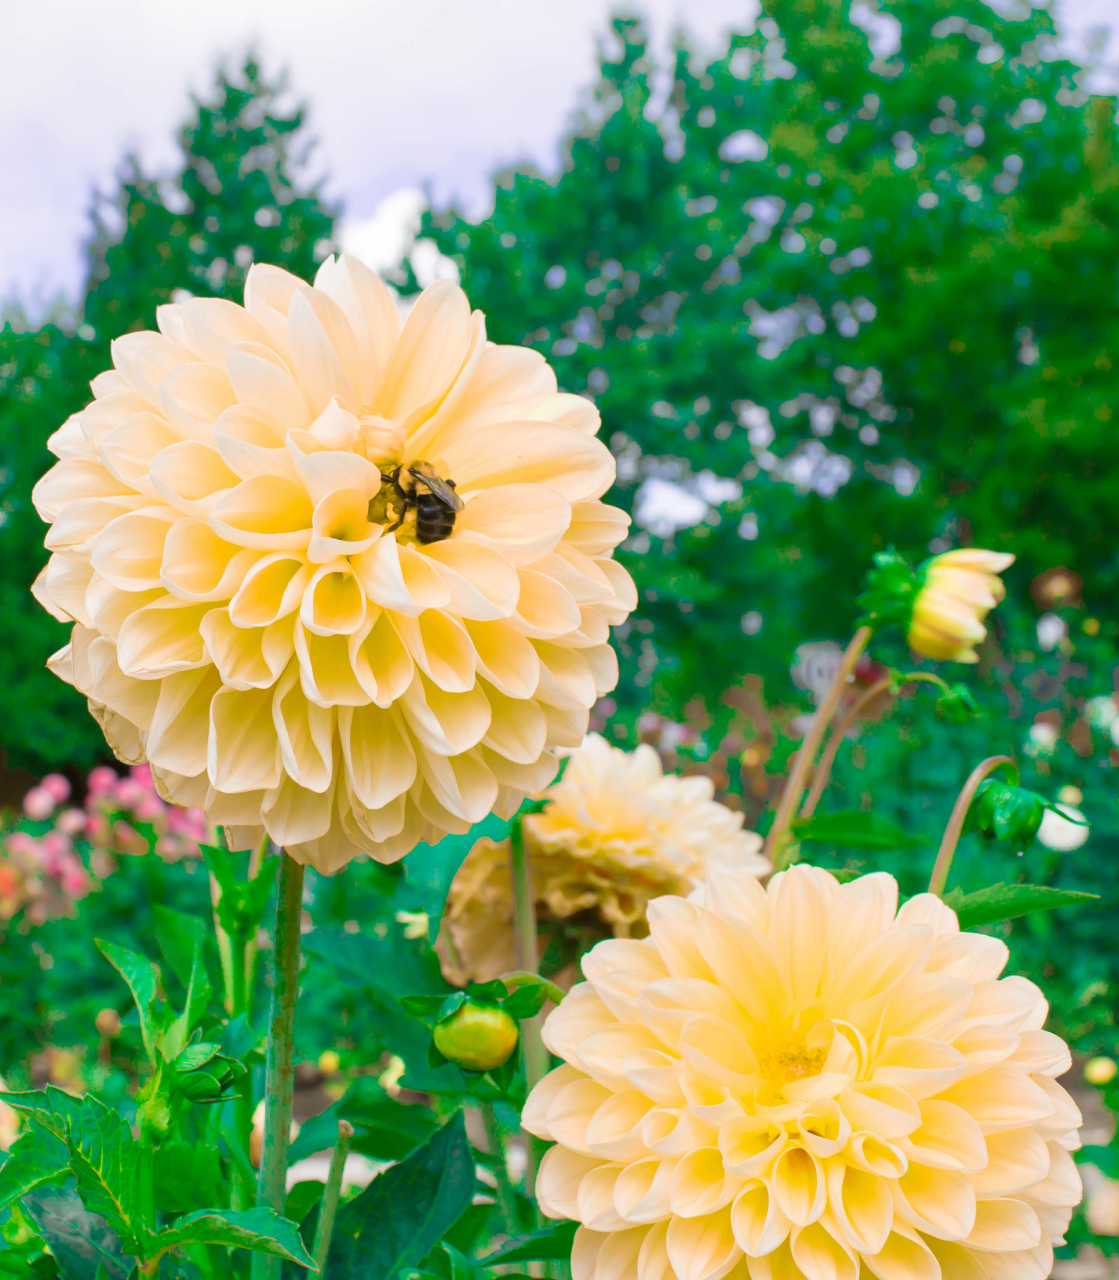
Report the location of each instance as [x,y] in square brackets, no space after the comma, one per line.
[960,588]
[803,1082]
[259,615]
[615,832]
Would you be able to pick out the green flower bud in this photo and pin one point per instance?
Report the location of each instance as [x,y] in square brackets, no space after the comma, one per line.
[957,706]
[1003,812]
[476,1036]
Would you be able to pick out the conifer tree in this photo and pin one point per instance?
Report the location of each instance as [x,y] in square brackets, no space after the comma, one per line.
[242,195]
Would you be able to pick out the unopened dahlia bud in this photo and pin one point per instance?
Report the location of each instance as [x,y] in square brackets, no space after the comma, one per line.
[478,1036]
[959,590]
[1004,812]
[339,577]
[805,1081]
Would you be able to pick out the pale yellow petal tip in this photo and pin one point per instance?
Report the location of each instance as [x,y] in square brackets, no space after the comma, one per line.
[339,576]
[615,833]
[809,1076]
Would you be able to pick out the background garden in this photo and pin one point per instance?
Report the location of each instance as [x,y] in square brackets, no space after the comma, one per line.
[828,303]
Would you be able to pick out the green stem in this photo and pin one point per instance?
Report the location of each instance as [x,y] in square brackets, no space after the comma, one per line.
[823,772]
[506,1196]
[330,1196]
[536,1057]
[279,1072]
[955,825]
[777,841]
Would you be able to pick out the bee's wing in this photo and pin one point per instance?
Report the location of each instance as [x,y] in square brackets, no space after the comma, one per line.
[438,486]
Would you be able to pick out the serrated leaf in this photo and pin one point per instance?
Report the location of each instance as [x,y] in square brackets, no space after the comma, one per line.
[35,1158]
[537,1246]
[1009,901]
[854,831]
[398,1219]
[261,1230]
[81,1241]
[103,1154]
[142,977]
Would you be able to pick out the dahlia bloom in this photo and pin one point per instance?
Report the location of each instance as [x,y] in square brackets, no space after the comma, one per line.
[803,1082]
[615,832]
[260,616]
[959,589]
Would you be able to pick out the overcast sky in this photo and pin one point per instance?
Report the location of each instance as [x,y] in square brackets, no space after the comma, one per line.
[402,92]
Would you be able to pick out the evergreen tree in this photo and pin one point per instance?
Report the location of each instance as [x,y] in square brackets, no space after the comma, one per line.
[896,326]
[242,195]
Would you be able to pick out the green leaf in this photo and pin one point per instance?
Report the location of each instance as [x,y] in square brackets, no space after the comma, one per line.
[187,1176]
[854,831]
[1008,901]
[104,1156]
[551,1244]
[83,1242]
[180,938]
[402,1214]
[525,1002]
[261,1230]
[301,1199]
[385,1129]
[35,1158]
[142,977]
[430,868]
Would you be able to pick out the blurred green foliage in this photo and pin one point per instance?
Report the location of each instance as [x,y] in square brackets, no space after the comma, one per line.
[242,195]
[896,327]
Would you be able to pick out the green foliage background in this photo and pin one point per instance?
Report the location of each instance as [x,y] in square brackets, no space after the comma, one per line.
[898,326]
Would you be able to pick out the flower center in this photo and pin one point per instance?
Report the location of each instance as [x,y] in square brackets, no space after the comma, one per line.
[794,1062]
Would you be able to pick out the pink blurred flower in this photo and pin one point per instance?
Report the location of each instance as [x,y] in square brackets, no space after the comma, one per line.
[71,822]
[57,787]
[100,781]
[74,879]
[38,804]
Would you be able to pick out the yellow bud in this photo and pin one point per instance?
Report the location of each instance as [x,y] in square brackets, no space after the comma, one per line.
[108,1023]
[329,1062]
[959,590]
[1100,1070]
[477,1037]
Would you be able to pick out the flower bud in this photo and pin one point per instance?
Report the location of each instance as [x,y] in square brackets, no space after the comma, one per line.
[1100,1070]
[107,1023]
[958,590]
[477,1036]
[957,706]
[1003,812]
[329,1062]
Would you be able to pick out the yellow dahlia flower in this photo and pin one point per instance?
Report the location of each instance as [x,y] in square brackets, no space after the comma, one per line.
[615,832]
[803,1082]
[337,577]
[959,590]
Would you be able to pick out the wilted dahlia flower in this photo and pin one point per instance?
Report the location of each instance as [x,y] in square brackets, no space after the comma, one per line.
[803,1082]
[960,588]
[338,578]
[615,832]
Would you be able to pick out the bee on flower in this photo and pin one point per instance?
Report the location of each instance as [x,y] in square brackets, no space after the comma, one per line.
[615,832]
[338,577]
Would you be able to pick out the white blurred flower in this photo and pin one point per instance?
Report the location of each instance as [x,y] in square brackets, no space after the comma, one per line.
[1102,712]
[1102,1209]
[1063,833]
[1042,739]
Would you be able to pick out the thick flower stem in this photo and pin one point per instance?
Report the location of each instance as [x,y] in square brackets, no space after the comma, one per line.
[777,840]
[331,1195]
[506,1196]
[536,1057]
[279,1075]
[952,831]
